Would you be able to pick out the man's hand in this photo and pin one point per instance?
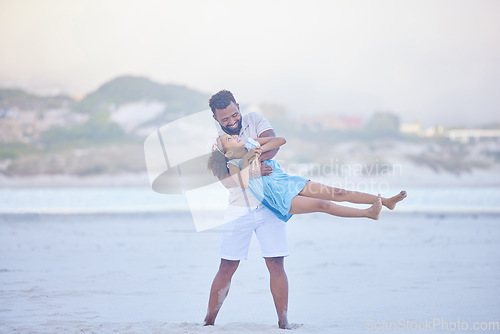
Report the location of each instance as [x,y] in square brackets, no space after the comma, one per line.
[258,171]
[249,157]
[265,169]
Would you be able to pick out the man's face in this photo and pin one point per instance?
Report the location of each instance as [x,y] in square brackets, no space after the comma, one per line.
[229,119]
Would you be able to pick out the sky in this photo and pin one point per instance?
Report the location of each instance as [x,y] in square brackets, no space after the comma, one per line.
[433,61]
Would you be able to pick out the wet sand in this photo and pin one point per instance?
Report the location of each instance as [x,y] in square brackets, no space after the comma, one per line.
[151,273]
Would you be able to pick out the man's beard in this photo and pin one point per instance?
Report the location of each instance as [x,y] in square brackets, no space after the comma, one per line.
[235,131]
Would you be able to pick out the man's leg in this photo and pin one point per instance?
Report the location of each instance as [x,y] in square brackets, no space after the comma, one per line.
[279,288]
[220,289]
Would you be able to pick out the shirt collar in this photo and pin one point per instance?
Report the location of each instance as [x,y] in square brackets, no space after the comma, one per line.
[244,124]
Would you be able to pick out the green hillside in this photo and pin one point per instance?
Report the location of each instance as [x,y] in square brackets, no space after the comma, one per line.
[56,148]
[126,89]
[20,99]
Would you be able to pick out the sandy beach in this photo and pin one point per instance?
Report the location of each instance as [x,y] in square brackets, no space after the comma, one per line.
[151,273]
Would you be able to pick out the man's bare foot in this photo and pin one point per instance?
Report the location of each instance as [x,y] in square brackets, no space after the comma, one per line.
[209,320]
[283,324]
[374,210]
[390,203]
[289,326]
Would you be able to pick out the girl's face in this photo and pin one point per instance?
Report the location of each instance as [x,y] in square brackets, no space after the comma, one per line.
[229,142]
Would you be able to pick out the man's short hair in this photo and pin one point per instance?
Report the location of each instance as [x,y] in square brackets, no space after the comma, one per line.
[221,100]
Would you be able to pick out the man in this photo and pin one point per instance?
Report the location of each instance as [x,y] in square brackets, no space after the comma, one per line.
[247,215]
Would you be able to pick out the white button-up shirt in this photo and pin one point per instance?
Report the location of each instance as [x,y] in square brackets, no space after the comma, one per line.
[252,126]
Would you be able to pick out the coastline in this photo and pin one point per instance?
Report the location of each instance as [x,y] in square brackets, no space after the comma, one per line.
[412,176]
[65,180]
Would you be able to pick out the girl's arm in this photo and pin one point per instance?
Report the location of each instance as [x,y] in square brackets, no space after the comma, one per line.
[242,176]
[270,143]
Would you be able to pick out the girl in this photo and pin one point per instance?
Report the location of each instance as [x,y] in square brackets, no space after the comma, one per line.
[284,194]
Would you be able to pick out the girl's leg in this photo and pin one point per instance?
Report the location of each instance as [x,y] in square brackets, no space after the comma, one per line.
[303,204]
[321,191]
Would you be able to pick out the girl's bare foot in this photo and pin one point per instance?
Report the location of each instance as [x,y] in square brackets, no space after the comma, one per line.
[390,203]
[374,210]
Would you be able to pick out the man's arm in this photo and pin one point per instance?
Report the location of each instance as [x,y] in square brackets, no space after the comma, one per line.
[269,143]
[271,153]
[266,169]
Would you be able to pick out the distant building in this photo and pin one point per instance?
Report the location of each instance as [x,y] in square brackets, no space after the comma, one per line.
[434,131]
[472,135]
[457,135]
[416,129]
[9,113]
[411,128]
[26,126]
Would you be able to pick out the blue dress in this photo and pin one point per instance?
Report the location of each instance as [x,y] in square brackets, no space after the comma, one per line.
[276,190]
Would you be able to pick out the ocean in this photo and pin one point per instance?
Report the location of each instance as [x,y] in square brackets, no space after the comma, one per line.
[143,199]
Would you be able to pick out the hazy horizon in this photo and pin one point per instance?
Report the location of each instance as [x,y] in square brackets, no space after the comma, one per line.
[433,61]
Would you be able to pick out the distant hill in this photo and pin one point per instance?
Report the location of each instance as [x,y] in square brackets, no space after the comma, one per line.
[111,95]
[23,100]
[125,107]
[102,133]
[128,89]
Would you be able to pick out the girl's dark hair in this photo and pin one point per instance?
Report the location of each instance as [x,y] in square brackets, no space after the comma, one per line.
[217,163]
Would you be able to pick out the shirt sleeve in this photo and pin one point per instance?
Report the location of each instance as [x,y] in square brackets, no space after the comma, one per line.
[250,144]
[262,124]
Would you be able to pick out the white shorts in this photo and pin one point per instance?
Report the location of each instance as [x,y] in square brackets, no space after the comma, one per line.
[241,222]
